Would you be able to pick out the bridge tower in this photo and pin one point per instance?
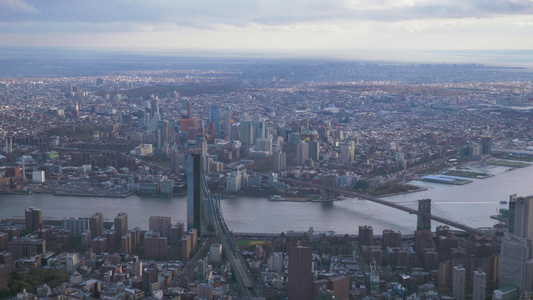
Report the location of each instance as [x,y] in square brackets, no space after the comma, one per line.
[328,182]
[423,221]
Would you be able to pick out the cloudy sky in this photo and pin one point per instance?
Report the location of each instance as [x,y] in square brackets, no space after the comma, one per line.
[318,26]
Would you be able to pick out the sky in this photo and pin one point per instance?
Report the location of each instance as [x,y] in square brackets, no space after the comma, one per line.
[291,26]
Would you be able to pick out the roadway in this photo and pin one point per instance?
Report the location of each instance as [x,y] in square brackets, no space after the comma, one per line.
[240,270]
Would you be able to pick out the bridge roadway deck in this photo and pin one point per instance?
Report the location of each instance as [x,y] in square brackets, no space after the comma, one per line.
[238,265]
[389,204]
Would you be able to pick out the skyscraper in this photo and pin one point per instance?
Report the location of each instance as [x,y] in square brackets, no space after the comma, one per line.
[347,153]
[34,219]
[227,122]
[235,132]
[259,130]
[516,263]
[521,217]
[194,191]
[314,150]
[247,133]
[186,108]
[300,273]
[302,152]
[486,144]
[214,116]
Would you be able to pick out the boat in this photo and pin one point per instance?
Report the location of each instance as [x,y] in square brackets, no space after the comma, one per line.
[340,198]
[503,202]
[277,198]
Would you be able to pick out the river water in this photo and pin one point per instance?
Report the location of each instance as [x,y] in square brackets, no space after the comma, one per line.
[471,204]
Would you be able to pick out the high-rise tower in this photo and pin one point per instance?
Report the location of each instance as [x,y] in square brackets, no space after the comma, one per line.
[214,116]
[194,192]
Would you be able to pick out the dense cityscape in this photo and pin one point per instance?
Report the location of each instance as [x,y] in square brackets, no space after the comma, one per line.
[286,131]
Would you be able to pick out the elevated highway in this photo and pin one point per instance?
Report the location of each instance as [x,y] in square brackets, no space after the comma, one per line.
[239,267]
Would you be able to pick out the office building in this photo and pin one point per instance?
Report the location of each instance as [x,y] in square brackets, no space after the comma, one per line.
[302,152]
[459,282]
[96,224]
[480,285]
[235,132]
[280,161]
[161,224]
[300,273]
[259,131]
[34,219]
[516,263]
[314,150]
[234,181]
[264,144]
[227,122]
[486,144]
[195,215]
[246,133]
[521,216]
[347,154]
[214,116]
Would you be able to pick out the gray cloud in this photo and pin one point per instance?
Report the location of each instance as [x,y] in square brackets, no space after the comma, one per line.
[122,15]
[15,7]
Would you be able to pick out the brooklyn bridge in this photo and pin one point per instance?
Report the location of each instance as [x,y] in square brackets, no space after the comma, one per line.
[212,213]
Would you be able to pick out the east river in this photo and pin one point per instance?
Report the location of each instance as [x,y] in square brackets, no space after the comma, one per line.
[471,204]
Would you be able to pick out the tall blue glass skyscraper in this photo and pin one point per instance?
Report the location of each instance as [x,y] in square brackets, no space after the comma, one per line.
[214,116]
